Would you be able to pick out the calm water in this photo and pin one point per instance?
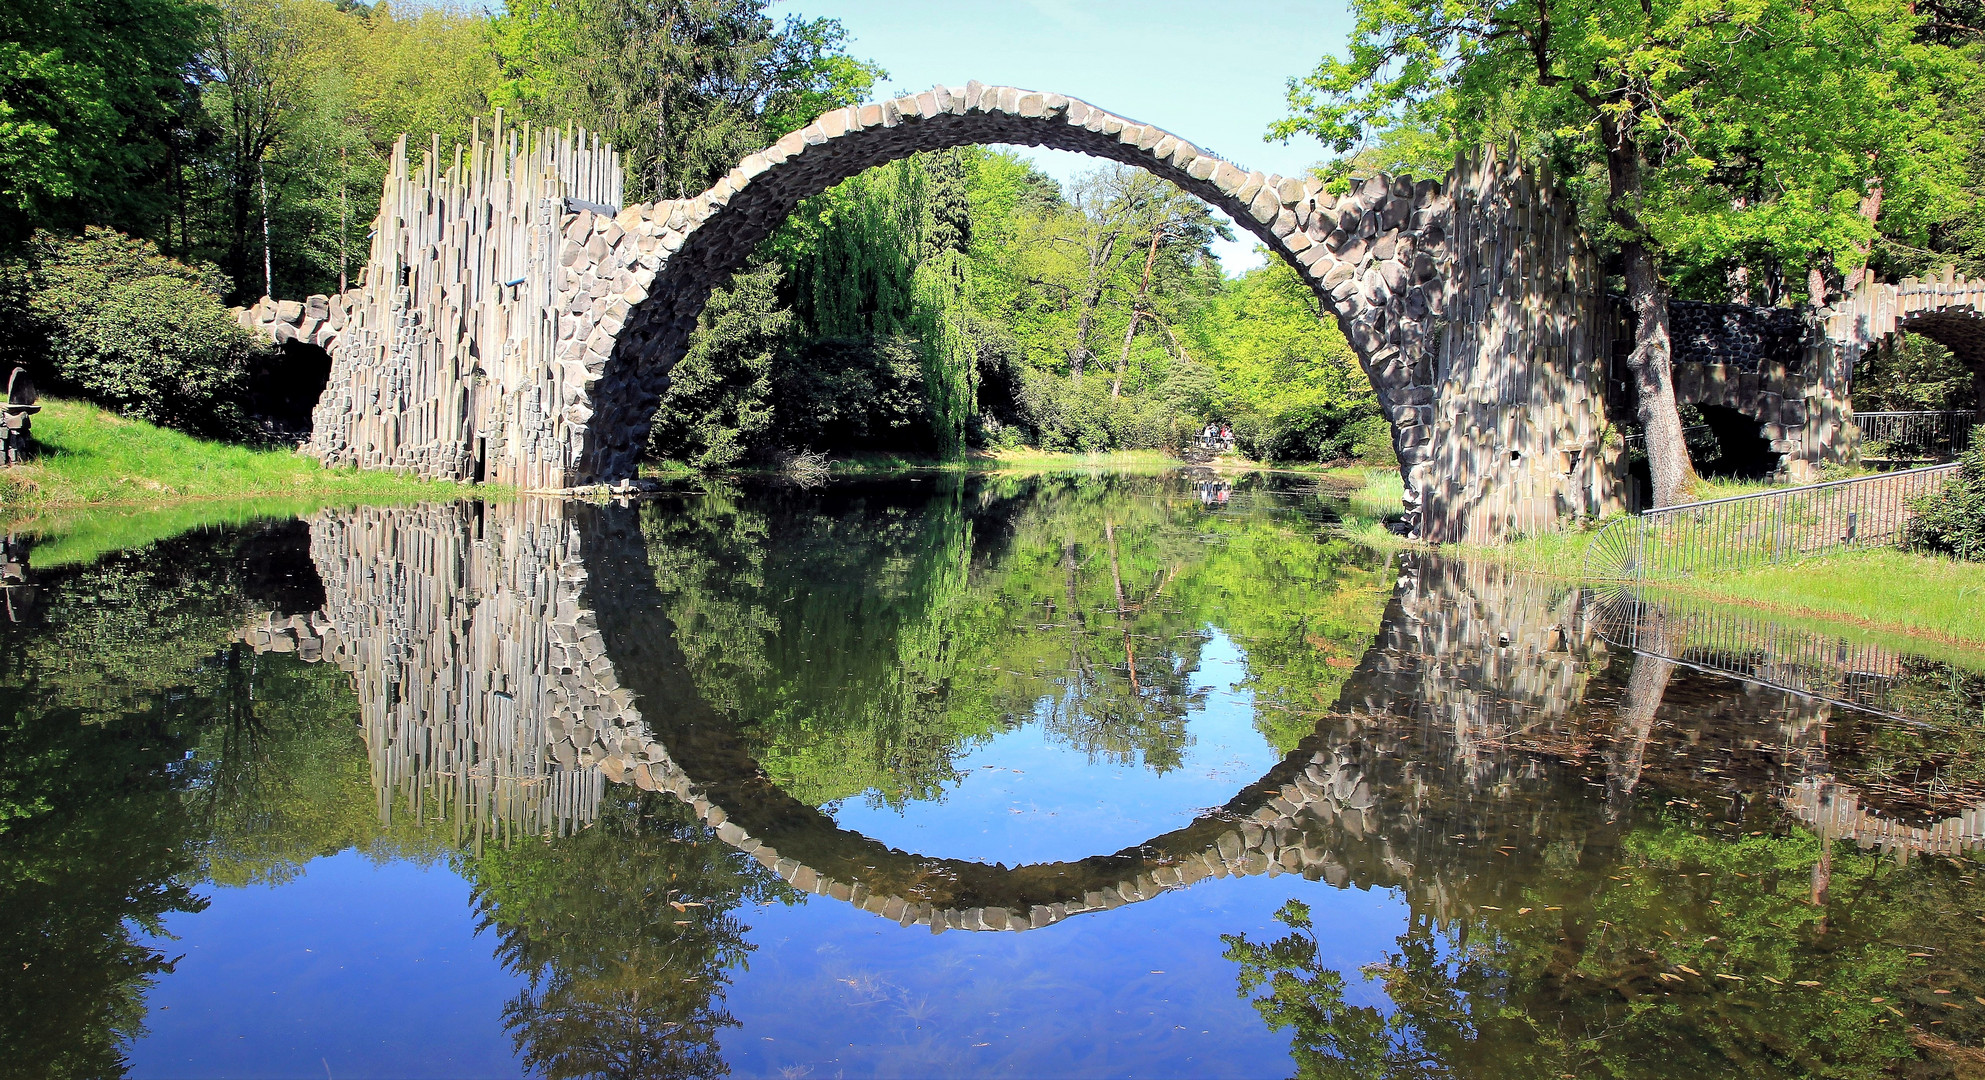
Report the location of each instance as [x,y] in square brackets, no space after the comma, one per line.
[1053,776]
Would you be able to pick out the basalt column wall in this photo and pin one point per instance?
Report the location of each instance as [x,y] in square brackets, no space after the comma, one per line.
[444,358]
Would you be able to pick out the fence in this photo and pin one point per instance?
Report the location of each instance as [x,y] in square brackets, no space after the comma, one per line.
[1758,650]
[1768,527]
[1915,436]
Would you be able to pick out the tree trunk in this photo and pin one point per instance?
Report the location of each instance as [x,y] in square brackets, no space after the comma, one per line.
[268,274]
[1092,294]
[1123,358]
[1871,208]
[1123,608]
[1651,363]
[1646,686]
[1136,310]
[1651,359]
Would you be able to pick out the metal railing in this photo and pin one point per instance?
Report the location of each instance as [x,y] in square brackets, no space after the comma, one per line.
[1769,527]
[1915,436]
[1759,650]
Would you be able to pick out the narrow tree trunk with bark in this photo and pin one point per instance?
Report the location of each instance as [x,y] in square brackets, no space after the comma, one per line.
[1136,312]
[1092,294]
[1652,358]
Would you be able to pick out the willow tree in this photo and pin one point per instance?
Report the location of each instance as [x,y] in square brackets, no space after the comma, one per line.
[1667,108]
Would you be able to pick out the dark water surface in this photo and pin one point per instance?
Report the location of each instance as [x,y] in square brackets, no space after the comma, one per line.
[1046,776]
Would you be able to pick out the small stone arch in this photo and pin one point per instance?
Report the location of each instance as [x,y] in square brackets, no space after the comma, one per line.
[1959,329]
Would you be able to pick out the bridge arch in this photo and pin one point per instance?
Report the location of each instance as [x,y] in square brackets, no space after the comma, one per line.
[1378,277]
[515,322]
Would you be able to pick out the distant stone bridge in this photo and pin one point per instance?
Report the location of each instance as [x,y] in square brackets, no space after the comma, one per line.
[516,323]
[511,660]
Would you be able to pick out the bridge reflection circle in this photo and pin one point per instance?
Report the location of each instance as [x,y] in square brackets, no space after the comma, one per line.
[515,657]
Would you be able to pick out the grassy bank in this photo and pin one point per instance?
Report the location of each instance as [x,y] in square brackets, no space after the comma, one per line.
[90,457]
[1882,590]
[1022,460]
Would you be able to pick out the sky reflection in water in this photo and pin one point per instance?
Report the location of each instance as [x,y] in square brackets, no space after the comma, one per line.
[346,801]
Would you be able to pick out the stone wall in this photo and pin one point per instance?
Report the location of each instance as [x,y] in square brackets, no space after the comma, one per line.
[1775,366]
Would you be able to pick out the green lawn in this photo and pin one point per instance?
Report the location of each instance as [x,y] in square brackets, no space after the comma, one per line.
[91,457]
[1884,591]
[1881,589]
[1022,460]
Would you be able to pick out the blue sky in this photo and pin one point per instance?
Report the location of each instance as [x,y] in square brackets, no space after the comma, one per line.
[1214,73]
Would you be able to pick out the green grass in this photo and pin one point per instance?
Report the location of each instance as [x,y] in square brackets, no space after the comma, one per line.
[1881,589]
[1022,460]
[91,457]
[1920,603]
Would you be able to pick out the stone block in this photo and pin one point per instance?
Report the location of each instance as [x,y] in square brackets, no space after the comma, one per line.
[1250,188]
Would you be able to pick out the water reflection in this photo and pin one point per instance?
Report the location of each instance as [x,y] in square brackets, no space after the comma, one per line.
[628,726]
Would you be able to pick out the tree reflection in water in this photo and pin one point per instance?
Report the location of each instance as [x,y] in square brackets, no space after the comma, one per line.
[1684,928]
[1603,874]
[627,933]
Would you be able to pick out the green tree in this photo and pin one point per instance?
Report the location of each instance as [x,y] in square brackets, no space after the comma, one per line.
[93,106]
[684,88]
[1678,111]
[1287,379]
[718,400]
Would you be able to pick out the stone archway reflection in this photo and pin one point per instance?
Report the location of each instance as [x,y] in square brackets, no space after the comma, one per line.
[512,659]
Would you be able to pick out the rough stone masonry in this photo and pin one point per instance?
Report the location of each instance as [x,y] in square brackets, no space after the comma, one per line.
[515,323]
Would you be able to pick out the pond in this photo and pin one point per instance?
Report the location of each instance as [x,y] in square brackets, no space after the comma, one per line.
[1046,775]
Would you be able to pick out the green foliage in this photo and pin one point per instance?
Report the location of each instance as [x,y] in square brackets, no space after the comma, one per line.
[684,88]
[1913,374]
[1758,129]
[858,395]
[717,404]
[1952,520]
[135,332]
[1069,414]
[139,333]
[92,108]
[1287,379]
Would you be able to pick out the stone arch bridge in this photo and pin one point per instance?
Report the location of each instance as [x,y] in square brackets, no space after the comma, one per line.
[512,659]
[516,323]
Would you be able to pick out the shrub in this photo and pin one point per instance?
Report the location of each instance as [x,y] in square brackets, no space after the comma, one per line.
[1082,416]
[1316,431]
[133,331]
[1952,520]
